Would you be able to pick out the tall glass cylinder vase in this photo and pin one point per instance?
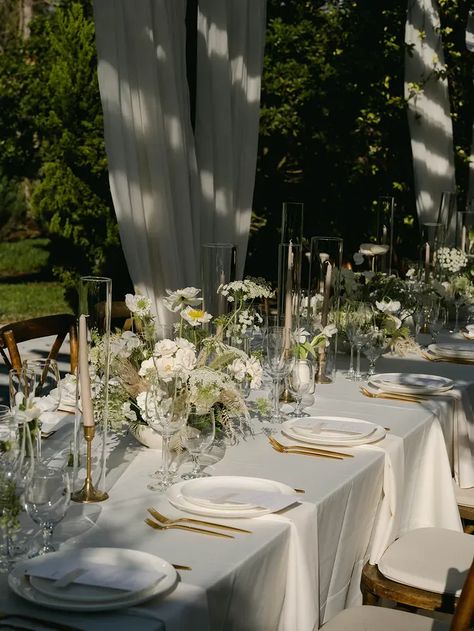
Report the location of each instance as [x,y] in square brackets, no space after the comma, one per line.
[289,285]
[385,215]
[292,222]
[95,302]
[447,218]
[217,268]
[465,232]
[324,286]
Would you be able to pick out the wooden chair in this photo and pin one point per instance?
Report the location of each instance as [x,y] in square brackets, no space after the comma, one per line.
[384,619]
[424,569]
[16,332]
[465,500]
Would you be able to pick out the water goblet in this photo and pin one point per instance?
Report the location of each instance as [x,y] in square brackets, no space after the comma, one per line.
[374,347]
[47,497]
[166,411]
[300,381]
[437,322]
[197,437]
[278,359]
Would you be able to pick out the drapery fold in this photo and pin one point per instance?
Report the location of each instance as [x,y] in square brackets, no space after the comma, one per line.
[170,192]
[429,118]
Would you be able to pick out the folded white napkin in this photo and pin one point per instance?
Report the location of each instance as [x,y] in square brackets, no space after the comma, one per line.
[333,429]
[273,501]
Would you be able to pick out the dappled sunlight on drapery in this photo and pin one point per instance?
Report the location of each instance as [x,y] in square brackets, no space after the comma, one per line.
[470,47]
[149,140]
[428,110]
[230,57]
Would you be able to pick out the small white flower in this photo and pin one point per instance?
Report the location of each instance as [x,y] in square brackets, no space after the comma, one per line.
[237,370]
[195,317]
[186,359]
[388,306]
[136,303]
[165,366]
[329,330]
[128,413]
[410,273]
[146,367]
[358,258]
[176,300]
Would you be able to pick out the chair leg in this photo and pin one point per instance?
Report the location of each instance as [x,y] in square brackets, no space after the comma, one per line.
[369,599]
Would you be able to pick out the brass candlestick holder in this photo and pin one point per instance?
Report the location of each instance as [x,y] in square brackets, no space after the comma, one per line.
[89,493]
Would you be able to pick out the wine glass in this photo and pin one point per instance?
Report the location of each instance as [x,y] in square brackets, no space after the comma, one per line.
[197,437]
[375,346]
[47,392]
[438,321]
[166,411]
[47,497]
[278,359]
[300,381]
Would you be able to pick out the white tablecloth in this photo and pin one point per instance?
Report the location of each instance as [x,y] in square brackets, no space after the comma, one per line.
[351,510]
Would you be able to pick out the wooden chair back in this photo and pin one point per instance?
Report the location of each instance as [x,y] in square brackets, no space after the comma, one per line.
[464,614]
[16,332]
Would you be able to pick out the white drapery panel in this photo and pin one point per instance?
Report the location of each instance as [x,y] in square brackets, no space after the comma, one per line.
[429,119]
[470,47]
[231,38]
[149,141]
[166,207]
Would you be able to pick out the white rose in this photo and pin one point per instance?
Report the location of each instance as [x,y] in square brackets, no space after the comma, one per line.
[181,342]
[165,347]
[165,366]
[146,366]
[186,358]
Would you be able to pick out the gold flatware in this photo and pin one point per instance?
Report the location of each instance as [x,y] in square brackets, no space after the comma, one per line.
[302,449]
[202,531]
[181,567]
[390,396]
[166,520]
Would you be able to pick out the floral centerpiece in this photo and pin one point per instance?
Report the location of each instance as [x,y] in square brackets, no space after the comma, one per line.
[216,373]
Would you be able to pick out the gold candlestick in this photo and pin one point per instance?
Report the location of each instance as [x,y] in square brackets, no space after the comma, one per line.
[89,493]
[321,376]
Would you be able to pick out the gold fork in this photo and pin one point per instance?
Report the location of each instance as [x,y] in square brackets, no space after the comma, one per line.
[202,531]
[323,453]
[166,520]
[388,395]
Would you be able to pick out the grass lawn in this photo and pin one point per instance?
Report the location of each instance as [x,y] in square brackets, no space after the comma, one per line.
[23,300]
[20,301]
[28,256]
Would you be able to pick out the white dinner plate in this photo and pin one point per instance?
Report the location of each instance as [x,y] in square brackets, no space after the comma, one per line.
[87,597]
[411,383]
[459,350]
[193,491]
[178,500]
[374,432]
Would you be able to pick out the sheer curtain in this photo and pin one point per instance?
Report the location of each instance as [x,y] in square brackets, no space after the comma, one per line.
[164,205]
[470,47]
[231,38]
[429,119]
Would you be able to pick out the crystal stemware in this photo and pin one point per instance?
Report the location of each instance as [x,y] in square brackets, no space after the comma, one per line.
[197,437]
[166,411]
[375,346]
[278,359]
[47,497]
[300,381]
[47,392]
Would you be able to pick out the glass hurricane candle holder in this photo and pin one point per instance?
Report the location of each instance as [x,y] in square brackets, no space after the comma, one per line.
[218,261]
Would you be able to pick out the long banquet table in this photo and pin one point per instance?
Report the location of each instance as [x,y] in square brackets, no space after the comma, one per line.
[300,567]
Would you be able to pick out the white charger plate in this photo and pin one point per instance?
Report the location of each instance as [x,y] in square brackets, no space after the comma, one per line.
[178,500]
[89,599]
[376,434]
[411,383]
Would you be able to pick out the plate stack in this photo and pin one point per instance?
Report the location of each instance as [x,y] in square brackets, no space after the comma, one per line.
[229,496]
[92,579]
[462,352]
[411,383]
[337,431]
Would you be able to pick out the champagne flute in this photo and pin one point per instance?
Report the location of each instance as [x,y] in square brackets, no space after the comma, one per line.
[47,497]
[47,392]
[300,381]
[278,359]
[197,437]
